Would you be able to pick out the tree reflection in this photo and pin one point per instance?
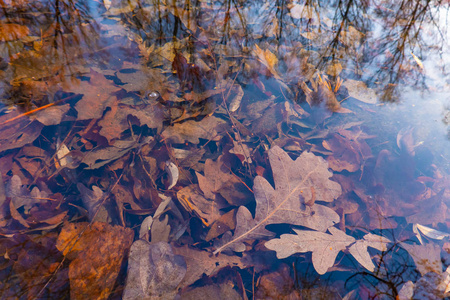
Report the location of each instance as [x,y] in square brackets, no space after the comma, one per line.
[60,33]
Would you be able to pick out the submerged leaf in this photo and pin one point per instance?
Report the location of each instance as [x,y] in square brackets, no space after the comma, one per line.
[359,249]
[298,184]
[324,247]
[154,272]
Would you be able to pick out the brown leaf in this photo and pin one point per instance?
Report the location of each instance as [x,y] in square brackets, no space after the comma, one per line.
[154,271]
[97,95]
[190,131]
[360,91]
[286,203]
[192,200]
[52,115]
[427,257]
[201,262]
[223,224]
[12,32]
[20,195]
[268,59]
[217,175]
[18,133]
[116,120]
[324,247]
[93,202]
[100,157]
[345,154]
[212,291]
[97,256]
[276,285]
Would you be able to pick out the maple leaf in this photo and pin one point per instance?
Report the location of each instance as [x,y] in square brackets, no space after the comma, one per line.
[298,184]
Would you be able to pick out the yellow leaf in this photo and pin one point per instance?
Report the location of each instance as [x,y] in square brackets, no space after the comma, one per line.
[268,59]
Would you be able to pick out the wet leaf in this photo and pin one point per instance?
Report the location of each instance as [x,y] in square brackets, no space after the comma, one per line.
[93,202]
[324,247]
[98,158]
[96,257]
[116,120]
[276,285]
[21,197]
[154,271]
[17,133]
[201,262]
[192,200]
[11,32]
[346,154]
[190,131]
[427,257]
[52,115]
[360,91]
[297,184]
[268,59]
[172,172]
[97,95]
[360,253]
[212,291]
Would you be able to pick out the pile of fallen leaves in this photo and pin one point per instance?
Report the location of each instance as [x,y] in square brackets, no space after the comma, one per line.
[140,174]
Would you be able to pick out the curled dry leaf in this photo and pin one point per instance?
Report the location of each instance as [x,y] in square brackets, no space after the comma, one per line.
[298,184]
[172,172]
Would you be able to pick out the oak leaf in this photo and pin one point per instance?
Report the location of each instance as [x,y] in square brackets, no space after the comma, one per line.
[298,184]
[324,247]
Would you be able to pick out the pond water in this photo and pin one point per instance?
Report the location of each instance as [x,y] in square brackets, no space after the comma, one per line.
[228,149]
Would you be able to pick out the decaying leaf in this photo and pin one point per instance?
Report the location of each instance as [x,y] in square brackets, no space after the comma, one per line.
[97,95]
[324,247]
[18,133]
[93,202]
[359,249]
[427,257]
[116,120]
[202,262]
[154,271]
[359,91]
[192,200]
[191,131]
[219,180]
[298,184]
[96,257]
[100,157]
[21,197]
[172,172]
[268,59]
